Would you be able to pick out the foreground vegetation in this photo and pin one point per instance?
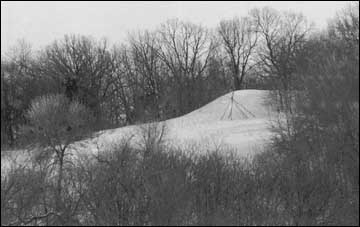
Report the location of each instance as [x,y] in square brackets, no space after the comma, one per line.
[160,186]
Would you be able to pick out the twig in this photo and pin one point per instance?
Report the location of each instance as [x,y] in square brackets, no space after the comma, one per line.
[28,221]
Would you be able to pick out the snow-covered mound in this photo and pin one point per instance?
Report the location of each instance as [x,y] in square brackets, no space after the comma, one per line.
[238,120]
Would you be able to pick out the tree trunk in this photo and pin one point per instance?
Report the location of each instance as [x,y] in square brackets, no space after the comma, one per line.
[58,202]
[8,119]
[237,81]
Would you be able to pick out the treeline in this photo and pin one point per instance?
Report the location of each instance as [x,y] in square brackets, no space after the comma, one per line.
[156,74]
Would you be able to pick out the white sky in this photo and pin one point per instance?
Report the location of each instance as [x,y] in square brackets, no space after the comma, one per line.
[40,23]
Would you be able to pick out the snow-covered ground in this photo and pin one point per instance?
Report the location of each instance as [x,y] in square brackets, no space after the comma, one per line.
[238,121]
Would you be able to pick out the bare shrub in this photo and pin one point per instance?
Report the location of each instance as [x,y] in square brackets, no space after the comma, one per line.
[152,136]
[25,197]
[54,123]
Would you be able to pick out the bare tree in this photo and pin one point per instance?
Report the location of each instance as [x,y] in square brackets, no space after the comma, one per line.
[125,86]
[144,50]
[346,24]
[239,38]
[282,35]
[185,49]
[18,81]
[83,67]
[54,123]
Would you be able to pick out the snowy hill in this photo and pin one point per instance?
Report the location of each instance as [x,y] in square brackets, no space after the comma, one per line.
[238,120]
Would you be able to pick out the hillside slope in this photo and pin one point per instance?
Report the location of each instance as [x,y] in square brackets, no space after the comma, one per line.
[238,120]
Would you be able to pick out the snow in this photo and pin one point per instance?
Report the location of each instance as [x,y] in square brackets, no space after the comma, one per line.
[238,121]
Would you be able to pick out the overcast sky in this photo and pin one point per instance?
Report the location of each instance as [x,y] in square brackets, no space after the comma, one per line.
[40,23]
